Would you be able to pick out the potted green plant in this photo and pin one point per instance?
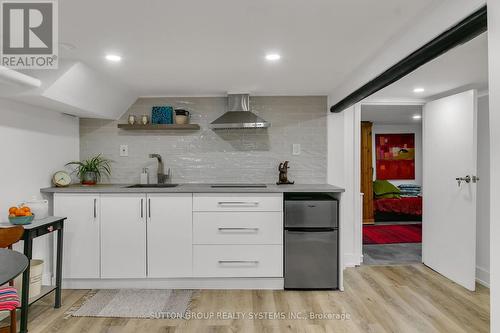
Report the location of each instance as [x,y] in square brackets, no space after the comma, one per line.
[90,171]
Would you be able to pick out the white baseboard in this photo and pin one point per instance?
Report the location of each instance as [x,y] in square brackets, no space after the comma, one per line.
[483,276]
[178,283]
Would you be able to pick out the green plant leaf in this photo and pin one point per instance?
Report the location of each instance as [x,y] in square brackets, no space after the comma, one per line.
[97,164]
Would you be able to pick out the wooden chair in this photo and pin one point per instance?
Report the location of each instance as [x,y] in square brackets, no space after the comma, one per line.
[9,236]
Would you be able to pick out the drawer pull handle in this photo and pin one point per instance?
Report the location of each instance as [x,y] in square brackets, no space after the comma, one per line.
[239,203]
[253,262]
[238,229]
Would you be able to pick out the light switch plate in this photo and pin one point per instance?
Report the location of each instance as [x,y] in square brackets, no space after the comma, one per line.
[296,149]
[123,150]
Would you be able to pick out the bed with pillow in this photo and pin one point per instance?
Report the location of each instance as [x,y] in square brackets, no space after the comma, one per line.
[397,203]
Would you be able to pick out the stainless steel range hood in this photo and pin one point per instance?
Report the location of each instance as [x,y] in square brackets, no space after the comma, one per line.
[238,115]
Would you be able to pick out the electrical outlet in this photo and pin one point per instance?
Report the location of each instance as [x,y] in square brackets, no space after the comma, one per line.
[123,150]
[296,149]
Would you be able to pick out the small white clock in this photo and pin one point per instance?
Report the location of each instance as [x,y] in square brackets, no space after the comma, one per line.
[61,179]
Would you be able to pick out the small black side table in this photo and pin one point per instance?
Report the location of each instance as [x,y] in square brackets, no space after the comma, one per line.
[31,231]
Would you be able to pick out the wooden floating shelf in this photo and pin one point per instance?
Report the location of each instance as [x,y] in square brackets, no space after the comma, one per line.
[160,127]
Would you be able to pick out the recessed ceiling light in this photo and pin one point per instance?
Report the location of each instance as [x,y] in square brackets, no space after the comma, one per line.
[113,57]
[273,57]
[417,116]
[418,90]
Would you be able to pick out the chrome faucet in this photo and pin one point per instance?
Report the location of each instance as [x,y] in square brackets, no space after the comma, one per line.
[162,177]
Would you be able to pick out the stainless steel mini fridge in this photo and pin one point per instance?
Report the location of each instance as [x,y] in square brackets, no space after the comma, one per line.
[311,241]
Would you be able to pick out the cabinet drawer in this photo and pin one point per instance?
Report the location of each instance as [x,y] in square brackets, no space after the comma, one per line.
[238,228]
[238,260]
[243,202]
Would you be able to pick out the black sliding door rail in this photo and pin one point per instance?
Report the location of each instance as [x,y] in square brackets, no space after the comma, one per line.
[467,29]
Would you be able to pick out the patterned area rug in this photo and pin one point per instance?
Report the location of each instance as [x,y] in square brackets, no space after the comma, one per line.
[390,234]
[136,303]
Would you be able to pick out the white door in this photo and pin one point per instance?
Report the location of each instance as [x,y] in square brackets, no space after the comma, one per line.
[449,210]
[123,235]
[169,231]
[81,234]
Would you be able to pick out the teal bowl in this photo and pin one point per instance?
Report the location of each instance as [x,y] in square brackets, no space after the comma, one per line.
[20,220]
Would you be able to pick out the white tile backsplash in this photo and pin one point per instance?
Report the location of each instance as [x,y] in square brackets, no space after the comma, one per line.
[208,156]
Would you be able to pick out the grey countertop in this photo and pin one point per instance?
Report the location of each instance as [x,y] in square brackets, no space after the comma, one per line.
[193,188]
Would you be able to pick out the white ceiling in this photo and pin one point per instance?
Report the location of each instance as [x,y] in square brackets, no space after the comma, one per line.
[391,114]
[459,69]
[189,47]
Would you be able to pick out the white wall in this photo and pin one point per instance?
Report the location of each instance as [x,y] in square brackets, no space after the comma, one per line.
[494,106]
[343,128]
[34,143]
[398,129]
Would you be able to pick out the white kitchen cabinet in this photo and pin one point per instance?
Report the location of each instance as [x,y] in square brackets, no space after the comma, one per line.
[159,236]
[123,235]
[169,231]
[81,234]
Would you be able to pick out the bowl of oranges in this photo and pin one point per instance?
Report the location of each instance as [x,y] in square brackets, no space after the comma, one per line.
[20,215]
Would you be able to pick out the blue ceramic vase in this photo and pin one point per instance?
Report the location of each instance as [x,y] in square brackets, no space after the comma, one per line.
[162,115]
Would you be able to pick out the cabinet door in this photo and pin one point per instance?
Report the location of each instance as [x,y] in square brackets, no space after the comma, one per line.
[170,235]
[81,234]
[123,235]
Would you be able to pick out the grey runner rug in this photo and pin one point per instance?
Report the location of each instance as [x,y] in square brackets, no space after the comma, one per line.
[135,303]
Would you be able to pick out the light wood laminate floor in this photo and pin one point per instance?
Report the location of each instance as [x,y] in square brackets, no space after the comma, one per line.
[409,298]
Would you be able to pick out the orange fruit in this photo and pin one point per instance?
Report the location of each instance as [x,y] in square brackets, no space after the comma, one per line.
[19,212]
[12,215]
[26,209]
[12,210]
[28,214]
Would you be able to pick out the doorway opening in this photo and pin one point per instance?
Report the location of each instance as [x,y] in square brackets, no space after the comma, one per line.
[446,101]
[391,183]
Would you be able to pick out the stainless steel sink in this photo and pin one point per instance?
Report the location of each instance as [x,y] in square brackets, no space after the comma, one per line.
[152,185]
